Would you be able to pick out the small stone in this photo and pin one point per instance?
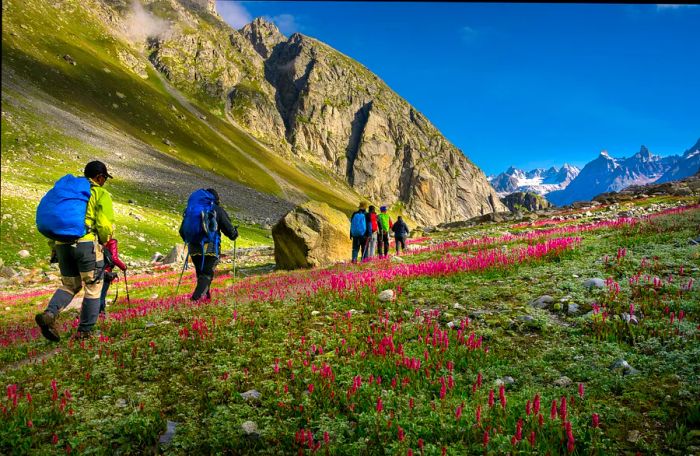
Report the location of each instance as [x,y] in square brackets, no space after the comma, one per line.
[70,59]
[633,436]
[396,259]
[542,302]
[457,306]
[157,257]
[121,95]
[594,283]
[23,253]
[169,432]
[499,382]
[575,276]
[315,312]
[250,429]
[508,380]
[121,403]
[251,395]
[526,318]
[563,381]
[8,308]
[386,295]
[154,296]
[150,324]
[572,309]
[141,238]
[167,142]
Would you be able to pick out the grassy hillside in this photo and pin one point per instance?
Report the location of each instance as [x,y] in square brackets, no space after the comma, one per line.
[40,43]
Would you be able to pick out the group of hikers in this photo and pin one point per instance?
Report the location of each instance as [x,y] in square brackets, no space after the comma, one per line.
[370,232]
[77,217]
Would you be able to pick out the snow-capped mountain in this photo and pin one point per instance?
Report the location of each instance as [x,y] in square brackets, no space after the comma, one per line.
[608,174]
[687,165]
[538,180]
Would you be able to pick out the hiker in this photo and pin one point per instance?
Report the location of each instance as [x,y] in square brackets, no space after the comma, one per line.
[111,258]
[77,215]
[400,230]
[203,222]
[384,225]
[359,229]
[372,239]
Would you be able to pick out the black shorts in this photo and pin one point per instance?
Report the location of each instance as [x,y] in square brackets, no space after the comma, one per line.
[79,257]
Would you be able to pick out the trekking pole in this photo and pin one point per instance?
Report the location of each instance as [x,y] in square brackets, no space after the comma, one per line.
[182,272]
[126,287]
[234,260]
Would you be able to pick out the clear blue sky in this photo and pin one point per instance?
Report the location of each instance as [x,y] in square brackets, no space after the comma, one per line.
[524,84]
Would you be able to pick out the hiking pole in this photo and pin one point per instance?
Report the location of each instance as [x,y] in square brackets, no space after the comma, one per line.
[182,272]
[234,260]
[126,287]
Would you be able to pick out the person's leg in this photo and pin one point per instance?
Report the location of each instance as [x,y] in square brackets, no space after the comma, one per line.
[91,265]
[373,244]
[70,285]
[355,248]
[103,294]
[365,247]
[402,240]
[386,244]
[205,274]
[380,246]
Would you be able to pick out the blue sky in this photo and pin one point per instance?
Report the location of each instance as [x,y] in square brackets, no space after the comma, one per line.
[523,84]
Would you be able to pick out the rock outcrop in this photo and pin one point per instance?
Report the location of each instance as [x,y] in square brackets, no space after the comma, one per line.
[308,101]
[313,234]
[525,201]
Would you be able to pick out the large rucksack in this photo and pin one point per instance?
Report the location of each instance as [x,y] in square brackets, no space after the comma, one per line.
[61,212]
[358,225]
[199,224]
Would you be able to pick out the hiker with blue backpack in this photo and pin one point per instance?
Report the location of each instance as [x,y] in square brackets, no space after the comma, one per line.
[202,224]
[360,230]
[77,216]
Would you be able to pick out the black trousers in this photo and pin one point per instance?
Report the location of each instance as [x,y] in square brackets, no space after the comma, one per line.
[400,241]
[205,274]
[383,243]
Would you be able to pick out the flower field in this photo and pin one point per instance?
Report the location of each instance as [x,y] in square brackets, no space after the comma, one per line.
[456,359]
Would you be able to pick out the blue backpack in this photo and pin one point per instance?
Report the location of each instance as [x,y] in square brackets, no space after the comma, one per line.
[358,225]
[61,212]
[199,225]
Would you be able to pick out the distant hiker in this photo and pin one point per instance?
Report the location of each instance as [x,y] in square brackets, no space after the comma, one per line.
[111,254]
[384,224]
[359,229]
[372,239]
[400,230]
[203,222]
[77,215]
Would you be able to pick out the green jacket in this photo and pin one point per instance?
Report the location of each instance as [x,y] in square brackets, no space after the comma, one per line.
[99,215]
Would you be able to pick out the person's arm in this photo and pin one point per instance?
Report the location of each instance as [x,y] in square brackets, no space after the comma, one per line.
[111,245]
[225,224]
[104,214]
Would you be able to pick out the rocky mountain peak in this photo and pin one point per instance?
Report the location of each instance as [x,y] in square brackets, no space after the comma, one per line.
[693,150]
[644,154]
[263,35]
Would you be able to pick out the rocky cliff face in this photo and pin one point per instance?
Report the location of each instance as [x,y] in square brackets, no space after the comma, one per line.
[305,99]
[528,201]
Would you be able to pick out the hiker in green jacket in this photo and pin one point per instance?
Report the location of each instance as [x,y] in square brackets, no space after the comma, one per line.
[81,263]
[384,225]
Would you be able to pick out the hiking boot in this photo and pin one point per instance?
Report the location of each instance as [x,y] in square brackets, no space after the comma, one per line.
[47,324]
[82,335]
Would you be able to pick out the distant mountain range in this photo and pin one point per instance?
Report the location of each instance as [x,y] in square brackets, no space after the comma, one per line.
[604,174]
[538,180]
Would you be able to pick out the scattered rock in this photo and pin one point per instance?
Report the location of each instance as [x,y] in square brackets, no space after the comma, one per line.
[386,295]
[167,142]
[526,318]
[314,234]
[169,432]
[396,259]
[594,283]
[7,272]
[176,256]
[542,302]
[563,381]
[623,366]
[251,395]
[315,313]
[633,436]
[154,296]
[23,253]
[6,216]
[508,380]
[250,429]
[157,257]
[120,95]
[458,306]
[121,403]
[70,59]
[571,308]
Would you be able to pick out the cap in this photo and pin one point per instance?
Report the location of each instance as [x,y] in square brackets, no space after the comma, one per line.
[382,209]
[363,204]
[216,195]
[95,168]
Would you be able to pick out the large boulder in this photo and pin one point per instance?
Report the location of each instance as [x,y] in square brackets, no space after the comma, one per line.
[176,255]
[313,234]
